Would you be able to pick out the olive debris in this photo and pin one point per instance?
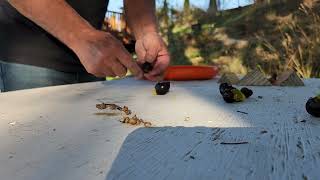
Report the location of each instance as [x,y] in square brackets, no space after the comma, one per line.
[313,106]
[231,94]
[225,87]
[134,120]
[126,110]
[147,124]
[238,96]
[228,97]
[247,92]
[125,120]
[162,88]
[103,106]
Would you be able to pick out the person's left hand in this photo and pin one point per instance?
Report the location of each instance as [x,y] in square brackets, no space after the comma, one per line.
[151,48]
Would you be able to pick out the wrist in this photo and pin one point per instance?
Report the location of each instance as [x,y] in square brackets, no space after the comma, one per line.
[75,39]
[147,33]
[139,34]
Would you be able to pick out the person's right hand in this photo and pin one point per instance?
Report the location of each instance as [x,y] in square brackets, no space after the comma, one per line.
[103,55]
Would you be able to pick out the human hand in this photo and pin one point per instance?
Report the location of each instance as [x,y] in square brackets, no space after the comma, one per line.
[151,48]
[103,55]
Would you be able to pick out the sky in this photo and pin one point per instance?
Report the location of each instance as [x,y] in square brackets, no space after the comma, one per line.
[115,5]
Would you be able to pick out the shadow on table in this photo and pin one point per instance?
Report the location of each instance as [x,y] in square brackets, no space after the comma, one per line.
[195,152]
[258,151]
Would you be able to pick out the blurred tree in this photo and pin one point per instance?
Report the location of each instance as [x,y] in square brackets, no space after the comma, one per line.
[187,15]
[213,9]
[269,1]
[186,6]
[165,11]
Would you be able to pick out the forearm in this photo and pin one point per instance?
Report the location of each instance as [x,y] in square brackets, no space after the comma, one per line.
[56,17]
[141,17]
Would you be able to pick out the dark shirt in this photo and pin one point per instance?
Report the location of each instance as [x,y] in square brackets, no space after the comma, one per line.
[22,41]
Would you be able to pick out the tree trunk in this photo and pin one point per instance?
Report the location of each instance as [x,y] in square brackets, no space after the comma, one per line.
[186,6]
[213,9]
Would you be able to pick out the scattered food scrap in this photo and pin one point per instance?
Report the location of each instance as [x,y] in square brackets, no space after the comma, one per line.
[162,88]
[147,124]
[187,119]
[113,107]
[12,123]
[255,78]
[231,94]
[230,78]
[136,121]
[313,106]
[133,121]
[128,120]
[126,110]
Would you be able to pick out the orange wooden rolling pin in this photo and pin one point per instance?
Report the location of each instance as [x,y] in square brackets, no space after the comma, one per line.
[188,73]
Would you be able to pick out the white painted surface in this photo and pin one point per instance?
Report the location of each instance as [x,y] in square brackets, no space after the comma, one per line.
[53,133]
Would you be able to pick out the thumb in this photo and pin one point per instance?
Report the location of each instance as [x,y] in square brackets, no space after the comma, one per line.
[140,51]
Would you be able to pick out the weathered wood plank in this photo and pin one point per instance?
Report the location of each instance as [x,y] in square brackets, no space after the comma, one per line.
[54,133]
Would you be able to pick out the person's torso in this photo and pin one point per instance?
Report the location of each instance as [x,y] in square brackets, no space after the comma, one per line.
[22,41]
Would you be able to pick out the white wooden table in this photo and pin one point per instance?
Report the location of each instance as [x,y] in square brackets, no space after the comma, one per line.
[54,133]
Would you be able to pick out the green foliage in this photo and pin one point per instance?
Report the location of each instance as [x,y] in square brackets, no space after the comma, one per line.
[266,34]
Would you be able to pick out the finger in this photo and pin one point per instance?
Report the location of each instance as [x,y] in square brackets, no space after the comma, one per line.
[154,78]
[140,51]
[160,66]
[99,75]
[104,74]
[108,72]
[125,58]
[140,78]
[118,69]
[151,55]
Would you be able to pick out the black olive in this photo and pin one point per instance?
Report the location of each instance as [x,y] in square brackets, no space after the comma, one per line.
[313,106]
[228,96]
[162,88]
[227,93]
[247,92]
[225,87]
[147,67]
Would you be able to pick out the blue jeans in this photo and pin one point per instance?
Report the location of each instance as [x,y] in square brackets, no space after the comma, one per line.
[18,76]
